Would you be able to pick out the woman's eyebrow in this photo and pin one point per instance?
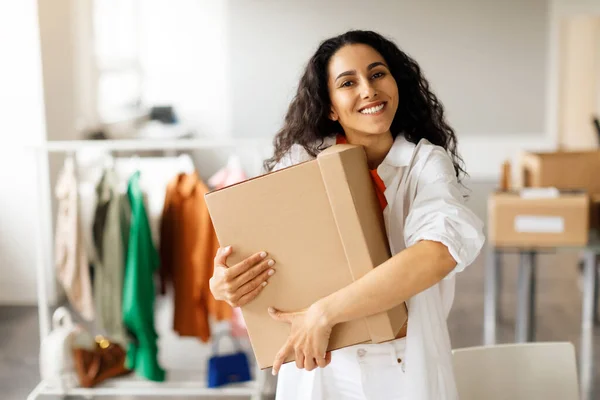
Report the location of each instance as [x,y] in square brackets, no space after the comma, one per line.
[346,73]
[353,72]
[375,64]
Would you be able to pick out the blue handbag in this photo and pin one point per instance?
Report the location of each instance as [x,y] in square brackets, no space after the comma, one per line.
[231,368]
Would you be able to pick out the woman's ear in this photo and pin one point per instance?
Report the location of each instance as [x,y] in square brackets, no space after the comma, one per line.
[333,115]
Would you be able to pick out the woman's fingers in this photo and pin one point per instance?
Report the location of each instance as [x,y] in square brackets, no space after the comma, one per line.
[321,361]
[221,256]
[251,295]
[309,363]
[299,359]
[254,283]
[260,270]
[241,267]
[280,357]
[327,358]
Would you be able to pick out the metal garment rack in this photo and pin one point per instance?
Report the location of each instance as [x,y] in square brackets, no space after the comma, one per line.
[128,386]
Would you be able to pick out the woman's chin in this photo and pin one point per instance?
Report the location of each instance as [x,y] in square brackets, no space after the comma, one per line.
[375,131]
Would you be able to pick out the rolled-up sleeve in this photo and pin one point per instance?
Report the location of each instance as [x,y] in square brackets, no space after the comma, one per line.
[438,211]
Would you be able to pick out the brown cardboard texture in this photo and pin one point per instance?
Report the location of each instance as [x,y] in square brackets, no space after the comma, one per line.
[322,224]
[515,221]
[565,170]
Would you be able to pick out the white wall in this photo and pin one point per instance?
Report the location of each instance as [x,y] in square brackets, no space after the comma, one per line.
[486,60]
[580,81]
[184,54]
[21,105]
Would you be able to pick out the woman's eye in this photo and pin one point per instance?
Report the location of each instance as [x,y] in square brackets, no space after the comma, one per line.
[347,84]
[378,75]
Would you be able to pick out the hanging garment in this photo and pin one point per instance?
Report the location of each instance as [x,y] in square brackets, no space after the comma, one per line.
[71,260]
[110,233]
[230,174]
[424,203]
[138,289]
[187,249]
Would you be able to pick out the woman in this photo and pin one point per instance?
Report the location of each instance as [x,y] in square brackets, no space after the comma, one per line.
[360,88]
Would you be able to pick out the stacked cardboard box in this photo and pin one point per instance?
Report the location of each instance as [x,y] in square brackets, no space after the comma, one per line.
[526,217]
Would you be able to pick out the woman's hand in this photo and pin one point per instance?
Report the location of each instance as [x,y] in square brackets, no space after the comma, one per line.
[308,340]
[240,283]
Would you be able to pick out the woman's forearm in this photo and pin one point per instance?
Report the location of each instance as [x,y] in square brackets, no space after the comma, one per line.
[402,276]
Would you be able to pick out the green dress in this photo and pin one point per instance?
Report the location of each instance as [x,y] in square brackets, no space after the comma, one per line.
[138,289]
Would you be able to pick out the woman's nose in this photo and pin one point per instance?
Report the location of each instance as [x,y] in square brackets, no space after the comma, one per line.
[367,90]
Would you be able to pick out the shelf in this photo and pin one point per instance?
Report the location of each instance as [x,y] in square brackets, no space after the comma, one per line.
[149,144]
[180,383]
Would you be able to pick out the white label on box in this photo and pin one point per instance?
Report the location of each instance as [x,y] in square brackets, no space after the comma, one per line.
[540,193]
[539,224]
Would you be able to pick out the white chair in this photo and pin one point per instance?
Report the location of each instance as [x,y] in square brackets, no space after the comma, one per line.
[529,371]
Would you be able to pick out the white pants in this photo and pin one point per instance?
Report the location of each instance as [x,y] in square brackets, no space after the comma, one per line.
[361,372]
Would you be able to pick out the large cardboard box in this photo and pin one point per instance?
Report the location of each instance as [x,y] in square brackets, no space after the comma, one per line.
[516,221]
[322,223]
[568,170]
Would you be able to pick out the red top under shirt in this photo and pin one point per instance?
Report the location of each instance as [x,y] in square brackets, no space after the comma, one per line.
[379,185]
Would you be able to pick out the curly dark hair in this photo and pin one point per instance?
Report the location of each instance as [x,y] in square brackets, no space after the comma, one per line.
[420,114]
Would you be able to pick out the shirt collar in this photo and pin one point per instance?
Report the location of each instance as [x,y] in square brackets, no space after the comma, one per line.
[400,154]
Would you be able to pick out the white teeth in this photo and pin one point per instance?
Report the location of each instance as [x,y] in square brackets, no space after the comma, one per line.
[372,110]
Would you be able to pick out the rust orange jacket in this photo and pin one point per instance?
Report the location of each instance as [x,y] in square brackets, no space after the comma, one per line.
[188,245]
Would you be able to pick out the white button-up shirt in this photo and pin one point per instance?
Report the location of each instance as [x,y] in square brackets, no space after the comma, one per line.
[425,202]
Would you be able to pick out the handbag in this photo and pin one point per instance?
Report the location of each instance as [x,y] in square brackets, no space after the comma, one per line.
[230,368]
[105,360]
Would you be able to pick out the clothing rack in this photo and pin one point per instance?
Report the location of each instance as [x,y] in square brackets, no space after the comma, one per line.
[128,386]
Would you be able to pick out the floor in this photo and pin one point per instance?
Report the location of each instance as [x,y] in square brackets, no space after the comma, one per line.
[558,314]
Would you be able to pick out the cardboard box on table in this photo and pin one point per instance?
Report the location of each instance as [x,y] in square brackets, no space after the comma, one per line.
[322,223]
[531,221]
[565,170]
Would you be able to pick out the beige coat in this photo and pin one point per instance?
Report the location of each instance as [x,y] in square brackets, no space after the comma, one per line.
[71,260]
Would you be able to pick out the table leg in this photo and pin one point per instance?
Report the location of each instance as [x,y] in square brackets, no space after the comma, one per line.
[499,282]
[586,356]
[532,296]
[523,297]
[596,292]
[491,297]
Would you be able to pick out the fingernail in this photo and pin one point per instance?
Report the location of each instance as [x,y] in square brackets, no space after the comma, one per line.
[227,248]
[271,309]
[264,283]
[271,272]
[271,263]
[263,254]
[273,372]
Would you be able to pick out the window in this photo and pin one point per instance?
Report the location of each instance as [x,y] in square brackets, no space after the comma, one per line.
[116,52]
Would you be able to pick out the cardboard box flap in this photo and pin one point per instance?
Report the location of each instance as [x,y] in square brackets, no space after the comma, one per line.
[344,167]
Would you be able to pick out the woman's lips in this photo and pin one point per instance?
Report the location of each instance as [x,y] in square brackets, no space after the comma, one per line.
[374,109]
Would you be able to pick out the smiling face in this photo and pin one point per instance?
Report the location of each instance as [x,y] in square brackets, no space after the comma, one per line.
[363,92]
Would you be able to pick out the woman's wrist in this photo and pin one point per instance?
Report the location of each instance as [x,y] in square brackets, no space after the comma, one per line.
[324,312]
